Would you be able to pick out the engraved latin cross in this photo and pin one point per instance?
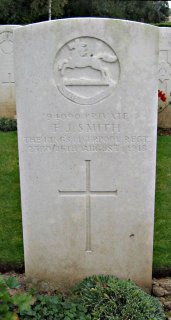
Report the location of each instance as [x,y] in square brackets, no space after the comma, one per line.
[88,193]
[9,82]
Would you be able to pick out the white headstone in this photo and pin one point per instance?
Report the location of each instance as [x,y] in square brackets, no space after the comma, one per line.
[164,117]
[87,116]
[7,92]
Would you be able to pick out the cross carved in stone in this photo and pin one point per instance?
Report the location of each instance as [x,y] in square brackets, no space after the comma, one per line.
[9,82]
[88,193]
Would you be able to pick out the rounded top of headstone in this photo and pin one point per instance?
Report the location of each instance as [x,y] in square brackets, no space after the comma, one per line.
[86,58]
[9,26]
[88,19]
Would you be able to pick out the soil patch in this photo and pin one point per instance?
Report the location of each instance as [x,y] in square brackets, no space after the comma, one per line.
[164,131]
[11,267]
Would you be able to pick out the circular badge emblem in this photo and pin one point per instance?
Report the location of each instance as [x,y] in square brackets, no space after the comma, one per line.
[86,70]
[6,42]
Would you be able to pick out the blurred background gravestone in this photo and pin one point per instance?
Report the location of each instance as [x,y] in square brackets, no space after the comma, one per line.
[164,108]
[7,83]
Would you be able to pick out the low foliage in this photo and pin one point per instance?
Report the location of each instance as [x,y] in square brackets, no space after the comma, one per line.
[55,308]
[94,298]
[29,11]
[8,124]
[98,298]
[11,303]
[164,24]
[107,297]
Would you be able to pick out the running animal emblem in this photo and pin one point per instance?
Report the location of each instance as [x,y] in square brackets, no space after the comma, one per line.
[86,70]
[81,58]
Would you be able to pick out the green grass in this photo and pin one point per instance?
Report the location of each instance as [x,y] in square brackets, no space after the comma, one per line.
[163,24]
[162,235]
[11,245]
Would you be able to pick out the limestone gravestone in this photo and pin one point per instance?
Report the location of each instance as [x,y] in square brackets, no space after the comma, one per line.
[164,117]
[7,91]
[87,115]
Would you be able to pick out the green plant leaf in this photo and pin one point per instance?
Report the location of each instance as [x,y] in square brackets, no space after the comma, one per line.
[22,301]
[10,316]
[12,283]
[4,308]
[4,295]
[2,279]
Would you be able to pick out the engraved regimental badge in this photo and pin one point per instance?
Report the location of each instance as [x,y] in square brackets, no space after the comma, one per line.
[86,70]
[164,70]
[164,81]
[6,42]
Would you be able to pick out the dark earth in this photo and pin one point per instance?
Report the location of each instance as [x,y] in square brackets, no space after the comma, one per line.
[164,131]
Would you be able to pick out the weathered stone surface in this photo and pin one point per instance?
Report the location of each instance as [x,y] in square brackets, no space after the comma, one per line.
[7,92]
[162,289]
[164,283]
[87,116]
[158,291]
[164,116]
[167,305]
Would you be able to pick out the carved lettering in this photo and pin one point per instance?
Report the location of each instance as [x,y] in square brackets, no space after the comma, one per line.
[69,134]
[88,116]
